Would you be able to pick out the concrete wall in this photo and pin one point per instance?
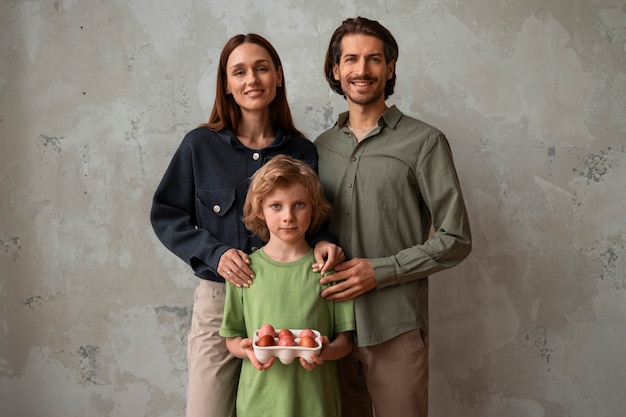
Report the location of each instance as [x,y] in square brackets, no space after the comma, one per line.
[96,95]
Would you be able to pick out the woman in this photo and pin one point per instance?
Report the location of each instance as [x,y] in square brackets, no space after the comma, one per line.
[198,206]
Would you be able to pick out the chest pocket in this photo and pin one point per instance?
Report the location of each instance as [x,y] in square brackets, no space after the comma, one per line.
[217,212]
[219,202]
[383,186]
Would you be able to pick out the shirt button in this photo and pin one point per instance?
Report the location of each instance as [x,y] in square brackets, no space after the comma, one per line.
[349,185]
[254,248]
[256,156]
[216,209]
[354,159]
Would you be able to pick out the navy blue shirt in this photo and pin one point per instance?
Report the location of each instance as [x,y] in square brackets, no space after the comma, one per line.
[198,206]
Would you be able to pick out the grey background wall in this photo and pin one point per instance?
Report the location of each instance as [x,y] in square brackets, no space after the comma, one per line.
[96,95]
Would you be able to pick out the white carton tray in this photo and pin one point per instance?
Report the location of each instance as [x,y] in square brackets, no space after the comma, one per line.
[286,354]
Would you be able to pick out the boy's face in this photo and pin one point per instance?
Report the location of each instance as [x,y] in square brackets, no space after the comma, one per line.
[287,213]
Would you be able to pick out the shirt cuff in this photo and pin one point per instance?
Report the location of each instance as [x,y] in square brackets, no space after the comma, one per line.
[385,272]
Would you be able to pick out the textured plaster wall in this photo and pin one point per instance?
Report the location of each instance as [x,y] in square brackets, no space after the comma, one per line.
[96,95]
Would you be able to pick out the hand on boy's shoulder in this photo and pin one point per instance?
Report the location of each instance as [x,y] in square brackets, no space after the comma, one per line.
[351,279]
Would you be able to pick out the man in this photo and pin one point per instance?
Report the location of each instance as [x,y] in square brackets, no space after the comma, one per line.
[390,178]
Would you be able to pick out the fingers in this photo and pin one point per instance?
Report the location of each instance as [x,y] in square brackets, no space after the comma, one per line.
[327,255]
[339,275]
[348,289]
[246,345]
[351,279]
[306,365]
[320,256]
[334,277]
[337,292]
[255,362]
[261,366]
[334,257]
[239,276]
[345,265]
[268,364]
[346,286]
[309,366]
[234,268]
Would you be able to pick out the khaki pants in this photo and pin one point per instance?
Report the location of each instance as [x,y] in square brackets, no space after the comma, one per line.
[386,380]
[213,371]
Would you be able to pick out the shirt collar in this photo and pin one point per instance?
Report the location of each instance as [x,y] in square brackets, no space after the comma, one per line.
[229,137]
[390,117]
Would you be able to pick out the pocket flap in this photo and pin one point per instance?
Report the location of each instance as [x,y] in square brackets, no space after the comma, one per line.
[217,201]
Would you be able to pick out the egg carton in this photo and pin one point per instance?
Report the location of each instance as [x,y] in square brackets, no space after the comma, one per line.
[286,354]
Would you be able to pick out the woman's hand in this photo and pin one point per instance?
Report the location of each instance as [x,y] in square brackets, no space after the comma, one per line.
[234,268]
[327,255]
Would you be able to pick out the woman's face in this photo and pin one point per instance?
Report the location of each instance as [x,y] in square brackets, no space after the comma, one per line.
[251,77]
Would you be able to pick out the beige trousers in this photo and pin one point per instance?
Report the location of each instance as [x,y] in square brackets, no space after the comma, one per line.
[386,380]
[213,371]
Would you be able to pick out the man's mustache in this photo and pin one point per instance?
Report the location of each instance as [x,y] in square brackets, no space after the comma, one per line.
[362,78]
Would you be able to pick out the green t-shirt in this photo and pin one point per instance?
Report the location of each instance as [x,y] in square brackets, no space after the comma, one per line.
[285,295]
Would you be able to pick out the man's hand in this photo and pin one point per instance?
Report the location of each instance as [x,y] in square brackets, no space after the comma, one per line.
[352,278]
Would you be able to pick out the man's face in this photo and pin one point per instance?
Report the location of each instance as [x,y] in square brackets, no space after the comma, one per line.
[362,69]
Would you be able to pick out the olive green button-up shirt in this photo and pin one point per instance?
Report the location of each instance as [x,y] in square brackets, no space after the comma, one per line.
[386,192]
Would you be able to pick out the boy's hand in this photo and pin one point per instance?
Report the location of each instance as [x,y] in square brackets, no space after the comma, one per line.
[246,345]
[317,359]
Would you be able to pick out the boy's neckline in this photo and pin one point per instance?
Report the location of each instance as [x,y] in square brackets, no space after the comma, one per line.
[296,256]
